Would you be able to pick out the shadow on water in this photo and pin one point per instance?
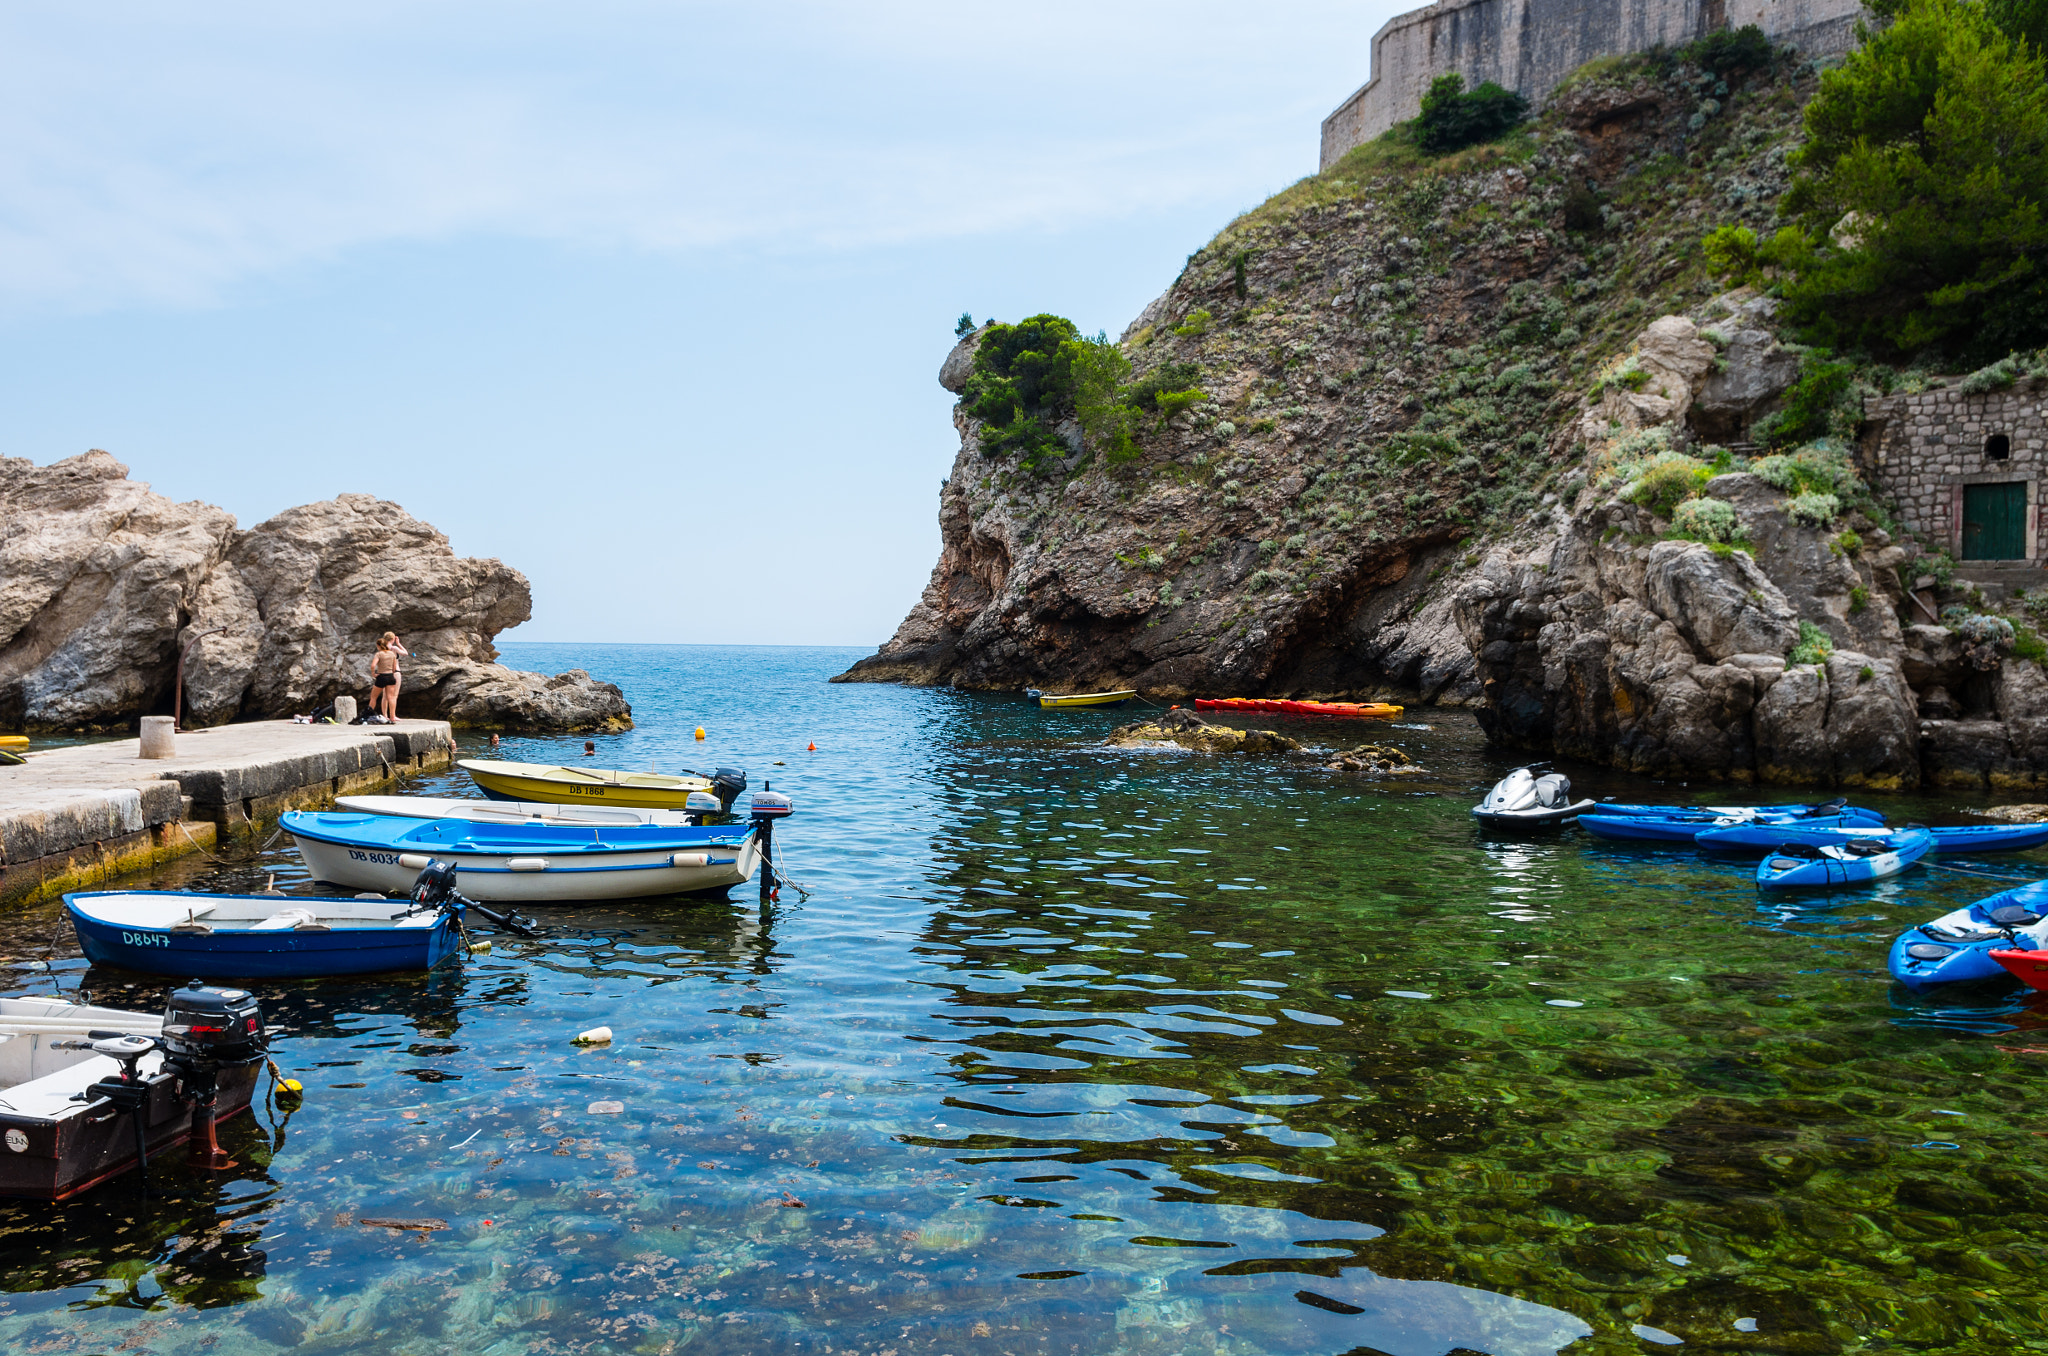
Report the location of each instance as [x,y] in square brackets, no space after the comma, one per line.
[1076,1049]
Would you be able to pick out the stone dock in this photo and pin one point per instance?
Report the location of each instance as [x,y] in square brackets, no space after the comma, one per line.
[71,818]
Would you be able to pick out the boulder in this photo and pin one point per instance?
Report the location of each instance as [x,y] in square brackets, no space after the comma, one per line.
[103,583]
[1754,370]
[1200,736]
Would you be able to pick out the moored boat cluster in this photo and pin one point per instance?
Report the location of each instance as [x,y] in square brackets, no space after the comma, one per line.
[91,1092]
[1831,844]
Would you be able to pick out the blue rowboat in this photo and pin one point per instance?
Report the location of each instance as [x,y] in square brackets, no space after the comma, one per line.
[172,932]
[524,863]
[1854,861]
[1675,829]
[1965,838]
[1956,947]
[1849,814]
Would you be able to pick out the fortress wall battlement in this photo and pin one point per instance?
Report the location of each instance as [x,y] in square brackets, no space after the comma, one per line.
[1530,46]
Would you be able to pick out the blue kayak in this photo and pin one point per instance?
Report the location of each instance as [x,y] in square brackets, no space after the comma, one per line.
[1855,860]
[1686,829]
[1956,947]
[1966,838]
[1851,814]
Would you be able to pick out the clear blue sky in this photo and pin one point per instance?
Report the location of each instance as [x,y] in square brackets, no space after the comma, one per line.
[646,299]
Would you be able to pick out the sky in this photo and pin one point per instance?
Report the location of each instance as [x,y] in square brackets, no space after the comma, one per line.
[647,300]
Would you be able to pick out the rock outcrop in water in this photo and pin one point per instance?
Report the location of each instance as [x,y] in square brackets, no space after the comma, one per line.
[102,581]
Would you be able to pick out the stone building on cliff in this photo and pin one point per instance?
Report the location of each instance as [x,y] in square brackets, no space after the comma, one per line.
[1529,46]
[1964,468]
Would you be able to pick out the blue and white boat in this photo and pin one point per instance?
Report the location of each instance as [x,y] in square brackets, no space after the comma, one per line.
[183,934]
[523,863]
[1685,828]
[1855,814]
[1956,947]
[1855,860]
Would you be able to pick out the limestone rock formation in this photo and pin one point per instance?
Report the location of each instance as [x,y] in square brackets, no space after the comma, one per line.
[102,582]
[1199,735]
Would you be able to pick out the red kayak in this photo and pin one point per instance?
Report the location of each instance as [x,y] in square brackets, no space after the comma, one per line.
[2028,967]
[1378,710]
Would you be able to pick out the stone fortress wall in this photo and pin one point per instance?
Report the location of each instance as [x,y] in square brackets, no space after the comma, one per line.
[1529,46]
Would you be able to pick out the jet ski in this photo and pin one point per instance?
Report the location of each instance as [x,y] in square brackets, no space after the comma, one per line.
[1524,798]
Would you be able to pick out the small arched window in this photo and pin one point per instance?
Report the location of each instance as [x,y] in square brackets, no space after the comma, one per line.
[1998,447]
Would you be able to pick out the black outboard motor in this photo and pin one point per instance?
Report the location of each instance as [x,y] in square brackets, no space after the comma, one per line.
[727,783]
[434,886]
[206,1030]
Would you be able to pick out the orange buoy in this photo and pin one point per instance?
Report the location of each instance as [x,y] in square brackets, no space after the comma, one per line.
[700,732]
[813,748]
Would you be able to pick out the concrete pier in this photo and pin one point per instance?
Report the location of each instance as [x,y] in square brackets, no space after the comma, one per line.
[71,818]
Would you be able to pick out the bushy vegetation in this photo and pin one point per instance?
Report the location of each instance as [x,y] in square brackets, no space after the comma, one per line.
[1815,406]
[1814,647]
[1730,51]
[1453,117]
[1032,376]
[1921,198]
[1708,520]
[1667,481]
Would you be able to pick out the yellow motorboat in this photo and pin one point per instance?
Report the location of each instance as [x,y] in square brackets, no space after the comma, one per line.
[574,785]
[1081,698]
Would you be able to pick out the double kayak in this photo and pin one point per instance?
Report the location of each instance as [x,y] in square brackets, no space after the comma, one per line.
[1852,861]
[1966,838]
[1854,814]
[1957,947]
[1686,829]
[1282,706]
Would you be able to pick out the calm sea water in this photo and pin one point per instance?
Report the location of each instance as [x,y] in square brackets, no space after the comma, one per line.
[1074,1050]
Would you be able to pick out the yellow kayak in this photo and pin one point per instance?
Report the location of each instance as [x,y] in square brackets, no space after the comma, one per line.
[594,785]
[1082,698]
[13,741]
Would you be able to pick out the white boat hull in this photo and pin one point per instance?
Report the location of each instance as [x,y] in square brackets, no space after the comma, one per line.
[513,811]
[490,878]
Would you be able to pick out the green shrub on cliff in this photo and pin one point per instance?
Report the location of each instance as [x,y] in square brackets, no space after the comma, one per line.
[1453,118]
[1727,51]
[1821,402]
[1814,647]
[1923,186]
[1707,520]
[1030,377]
[1666,481]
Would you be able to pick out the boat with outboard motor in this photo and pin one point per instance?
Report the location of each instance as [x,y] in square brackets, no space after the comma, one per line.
[569,785]
[274,936]
[88,1093]
[1956,947]
[701,806]
[526,862]
[1855,860]
[1523,799]
[1965,838]
[1687,828]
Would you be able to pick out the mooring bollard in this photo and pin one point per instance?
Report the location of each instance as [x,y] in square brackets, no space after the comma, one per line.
[159,737]
[344,710]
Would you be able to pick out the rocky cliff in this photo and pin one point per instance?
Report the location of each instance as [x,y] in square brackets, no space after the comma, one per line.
[102,582]
[1441,397]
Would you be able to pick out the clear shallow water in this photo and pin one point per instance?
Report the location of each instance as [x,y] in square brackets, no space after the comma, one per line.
[1079,1050]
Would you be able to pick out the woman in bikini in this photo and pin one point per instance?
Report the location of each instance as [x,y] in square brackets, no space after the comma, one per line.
[384,678]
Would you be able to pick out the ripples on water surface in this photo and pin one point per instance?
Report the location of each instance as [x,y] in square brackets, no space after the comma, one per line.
[1077,1050]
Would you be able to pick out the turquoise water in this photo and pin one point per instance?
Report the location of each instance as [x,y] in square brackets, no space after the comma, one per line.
[1070,1050]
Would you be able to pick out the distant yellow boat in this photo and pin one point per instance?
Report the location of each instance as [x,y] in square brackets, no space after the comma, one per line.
[13,741]
[1081,698]
[595,785]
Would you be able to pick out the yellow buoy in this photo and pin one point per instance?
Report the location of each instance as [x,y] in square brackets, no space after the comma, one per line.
[700,732]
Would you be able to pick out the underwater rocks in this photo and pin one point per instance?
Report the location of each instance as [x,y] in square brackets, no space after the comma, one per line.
[1378,758]
[102,582]
[1184,729]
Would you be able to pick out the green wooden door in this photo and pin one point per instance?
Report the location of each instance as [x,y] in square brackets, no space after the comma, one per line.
[1995,521]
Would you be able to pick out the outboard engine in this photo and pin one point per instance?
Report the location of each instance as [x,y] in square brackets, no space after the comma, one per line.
[701,806]
[435,885]
[208,1029]
[1553,791]
[727,783]
[769,805]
